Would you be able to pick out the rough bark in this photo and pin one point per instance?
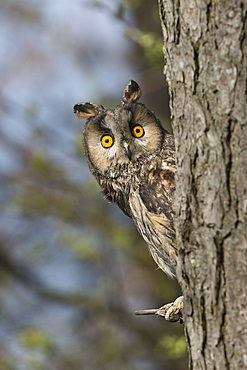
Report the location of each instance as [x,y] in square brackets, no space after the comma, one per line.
[205,50]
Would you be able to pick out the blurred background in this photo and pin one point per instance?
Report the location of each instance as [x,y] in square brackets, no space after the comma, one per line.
[73,268]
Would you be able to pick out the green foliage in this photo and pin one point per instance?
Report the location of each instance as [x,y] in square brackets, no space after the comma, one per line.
[111,349]
[31,111]
[121,236]
[6,363]
[133,4]
[43,189]
[171,346]
[150,43]
[35,339]
[42,165]
[152,48]
[42,202]
[82,246]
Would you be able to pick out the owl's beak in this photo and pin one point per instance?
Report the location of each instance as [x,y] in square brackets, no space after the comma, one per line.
[128,152]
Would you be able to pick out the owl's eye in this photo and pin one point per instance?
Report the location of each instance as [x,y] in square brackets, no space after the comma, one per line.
[138,131]
[107,141]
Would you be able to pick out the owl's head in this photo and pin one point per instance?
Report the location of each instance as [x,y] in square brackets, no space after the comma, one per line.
[126,135]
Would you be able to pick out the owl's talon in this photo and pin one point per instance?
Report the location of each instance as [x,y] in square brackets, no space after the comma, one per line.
[175,320]
[167,311]
[170,310]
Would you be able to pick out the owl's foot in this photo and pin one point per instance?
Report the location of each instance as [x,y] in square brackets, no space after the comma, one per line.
[168,311]
[171,310]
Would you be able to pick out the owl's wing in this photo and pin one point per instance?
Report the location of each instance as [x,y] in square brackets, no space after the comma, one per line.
[158,183]
[151,206]
[156,193]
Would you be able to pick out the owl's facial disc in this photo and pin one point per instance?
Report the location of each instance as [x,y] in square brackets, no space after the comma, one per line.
[122,136]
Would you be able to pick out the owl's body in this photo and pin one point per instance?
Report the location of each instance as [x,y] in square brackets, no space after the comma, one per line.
[132,157]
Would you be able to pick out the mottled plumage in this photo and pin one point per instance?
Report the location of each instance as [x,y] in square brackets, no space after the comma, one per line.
[132,157]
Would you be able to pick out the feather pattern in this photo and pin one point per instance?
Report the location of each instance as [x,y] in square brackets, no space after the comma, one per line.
[135,172]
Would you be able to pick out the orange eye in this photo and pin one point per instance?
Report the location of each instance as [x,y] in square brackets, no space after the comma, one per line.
[138,131]
[107,141]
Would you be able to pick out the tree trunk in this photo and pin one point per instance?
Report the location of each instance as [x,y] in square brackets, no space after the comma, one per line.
[205,50]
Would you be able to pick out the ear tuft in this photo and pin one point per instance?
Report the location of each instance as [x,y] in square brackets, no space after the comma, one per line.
[131,93]
[87,110]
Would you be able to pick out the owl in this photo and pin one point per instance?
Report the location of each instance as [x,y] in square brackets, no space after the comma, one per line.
[133,159]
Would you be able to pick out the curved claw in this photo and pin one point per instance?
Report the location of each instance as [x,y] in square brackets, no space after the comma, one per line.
[180,319]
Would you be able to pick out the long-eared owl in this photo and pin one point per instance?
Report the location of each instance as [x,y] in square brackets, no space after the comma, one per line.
[133,159]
